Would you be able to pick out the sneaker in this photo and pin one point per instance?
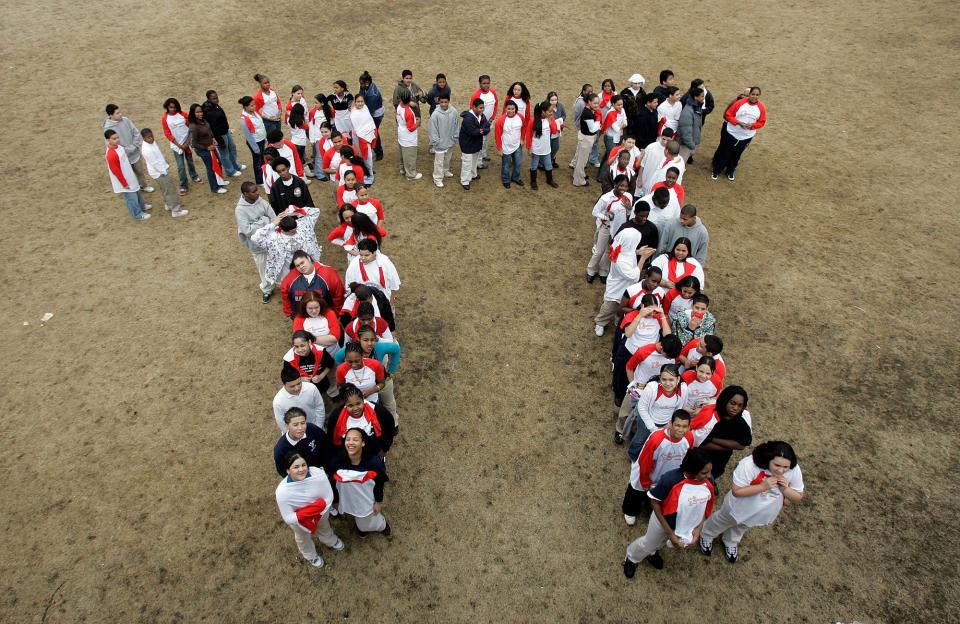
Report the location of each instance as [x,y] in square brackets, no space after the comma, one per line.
[147,206]
[225,183]
[630,520]
[617,437]
[235,174]
[417,177]
[317,562]
[309,173]
[466,187]
[603,279]
[378,157]
[182,192]
[506,185]
[714,177]
[629,568]
[590,278]
[439,183]
[518,182]
[731,177]
[221,191]
[483,166]
[706,546]
[656,561]
[486,159]
[476,177]
[732,553]
[386,530]
[179,213]
[266,297]
[339,545]
[598,330]
[143,216]
[243,167]
[197,180]
[147,189]
[308,181]
[448,174]
[361,534]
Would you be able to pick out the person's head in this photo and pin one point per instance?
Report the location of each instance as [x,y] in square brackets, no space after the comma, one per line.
[696,465]
[620,185]
[363,194]
[637,81]
[147,135]
[270,155]
[711,345]
[671,177]
[113,112]
[665,136]
[359,102]
[297,116]
[669,376]
[250,192]
[405,97]
[651,101]
[616,102]
[695,83]
[325,130]
[196,113]
[554,99]
[296,421]
[303,263]
[706,367]
[444,102]
[363,224]
[362,291]
[688,215]
[700,304]
[282,166]
[113,139]
[367,249]
[345,213]
[754,95]
[484,82]
[673,148]
[441,81]
[354,441]
[339,87]
[519,91]
[352,398]
[290,377]
[296,92]
[302,342]
[406,76]
[353,355]
[670,347]
[590,100]
[586,90]
[543,109]
[350,177]
[172,106]
[365,79]
[688,286]
[629,142]
[511,108]
[731,402]
[681,248]
[775,457]
[667,79]
[264,81]
[367,338]
[213,98]
[698,95]
[477,106]
[275,136]
[679,424]
[661,197]
[653,279]
[607,85]
[288,225]
[295,466]
[641,212]
[623,159]
[647,301]
[673,94]
[337,137]
[247,103]
[365,313]
[312,305]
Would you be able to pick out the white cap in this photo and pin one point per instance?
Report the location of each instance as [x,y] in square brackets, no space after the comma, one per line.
[637,78]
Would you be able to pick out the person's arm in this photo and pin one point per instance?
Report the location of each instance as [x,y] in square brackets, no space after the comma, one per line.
[664,324]
[391,351]
[113,163]
[248,135]
[752,490]
[631,329]
[307,199]
[323,367]
[671,535]
[644,401]
[792,495]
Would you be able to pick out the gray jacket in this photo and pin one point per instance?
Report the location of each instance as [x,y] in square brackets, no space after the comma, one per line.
[690,124]
[697,233]
[443,128]
[250,218]
[130,137]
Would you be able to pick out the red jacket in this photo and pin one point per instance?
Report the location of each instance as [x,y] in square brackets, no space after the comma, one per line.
[293,288]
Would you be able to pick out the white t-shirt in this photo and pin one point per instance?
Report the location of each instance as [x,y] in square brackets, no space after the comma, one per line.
[763,508]
[540,145]
[512,128]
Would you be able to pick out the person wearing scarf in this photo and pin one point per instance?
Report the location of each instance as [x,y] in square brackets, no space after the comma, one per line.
[407,125]
[304,498]
[359,475]
[374,420]
[678,264]
[373,268]
[626,260]
[365,134]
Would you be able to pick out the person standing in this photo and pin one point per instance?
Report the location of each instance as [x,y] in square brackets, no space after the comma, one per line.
[204,143]
[408,124]
[340,102]
[442,130]
[627,258]
[667,80]
[365,136]
[559,113]
[688,226]
[255,134]
[306,439]
[288,190]
[304,498]
[690,126]
[668,112]
[540,129]
[509,133]
[633,100]
[295,393]
[159,170]
[131,140]
[122,176]
[266,103]
[474,129]
[743,118]
[439,89]
[252,213]
[578,106]
[360,475]
[610,213]
[374,100]
[226,146]
[614,121]
[588,126]
[490,101]
[708,103]
[647,120]
[291,230]
[177,130]
[416,94]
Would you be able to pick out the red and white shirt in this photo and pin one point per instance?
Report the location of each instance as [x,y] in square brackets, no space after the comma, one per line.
[355,488]
[646,363]
[634,157]
[302,102]
[364,377]
[489,103]
[655,407]
[367,421]
[743,111]
[380,273]
[668,115]
[325,325]
[315,118]
[662,216]
[647,331]
[701,425]
[303,503]
[406,126]
[288,150]
[613,124]
[509,133]
[372,208]
[691,351]
[674,301]
[176,129]
[267,104]
[122,176]
[686,502]
[660,454]
[351,303]
[699,393]
[636,292]
[763,508]
[380,327]
[675,270]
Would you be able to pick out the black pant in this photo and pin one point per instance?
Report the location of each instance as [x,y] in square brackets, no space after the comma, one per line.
[258,161]
[635,502]
[728,152]
[620,381]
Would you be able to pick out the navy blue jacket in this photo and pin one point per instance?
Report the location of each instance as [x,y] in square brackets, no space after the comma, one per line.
[472,132]
[314,446]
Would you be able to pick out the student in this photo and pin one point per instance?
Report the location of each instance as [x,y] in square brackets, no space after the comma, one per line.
[310,276]
[690,124]
[291,230]
[688,225]
[255,134]
[340,101]
[614,121]
[251,214]
[647,129]
[357,413]
[667,80]
[474,130]
[317,319]
[662,208]
[122,176]
[633,98]
[365,135]
[520,96]
[331,155]
[306,439]
[364,373]
[315,364]
[682,501]
[297,122]
[288,190]
[703,384]
[708,103]
[541,127]
[443,129]
[439,90]
[658,400]
[607,90]
[626,260]
[627,144]
[657,171]
[266,103]
[578,105]
[696,322]
[366,316]
[743,118]
[680,297]
[559,115]
[369,206]
[407,125]
[406,84]
[710,345]
[289,150]
[305,497]
[588,126]
[176,129]
[724,427]
[226,146]
[670,210]
[318,133]
[388,354]
[354,227]
[296,97]
[159,170]
[359,476]
[350,162]
[509,133]
[620,168]
[627,386]
[668,112]
[204,143]
[130,139]
[488,97]
[295,393]
[663,451]
[373,268]
[347,191]
[645,325]
[374,101]
[649,285]
[268,173]
[655,159]
[360,293]
[610,212]
[761,483]
[678,264]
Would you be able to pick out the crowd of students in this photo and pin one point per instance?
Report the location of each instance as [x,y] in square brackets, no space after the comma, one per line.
[337,409]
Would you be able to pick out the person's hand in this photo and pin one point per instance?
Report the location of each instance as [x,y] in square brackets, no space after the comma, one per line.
[315,379]
[695,538]
[695,322]
[646,251]
[675,540]
[782,482]
[769,483]
[377,507]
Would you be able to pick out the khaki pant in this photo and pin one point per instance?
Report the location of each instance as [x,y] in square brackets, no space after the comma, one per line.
[686,152]
[625,410]
[140,168]
[171,194]
[723,522]
[260,259]
[325,536]
[655,539]
[468,167]
[600,260]
[441,164]
[389,400]
[373,523]
[584,145]
[483,150]
[408,161]
[608,312]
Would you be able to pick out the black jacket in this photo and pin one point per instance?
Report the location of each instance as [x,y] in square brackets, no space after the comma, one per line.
[472,132]
[216,118]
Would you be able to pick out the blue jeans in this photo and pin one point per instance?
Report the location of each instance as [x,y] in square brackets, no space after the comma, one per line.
[208,162]
[228,154]
[541,159]
[318,162]
[639,438]
[269,125]
[595,154]
[554,148]
[185,162]
[378,150]
[258,161]
[514,161]
[134,202]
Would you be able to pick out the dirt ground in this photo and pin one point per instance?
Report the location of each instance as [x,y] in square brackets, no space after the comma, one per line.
[137,431]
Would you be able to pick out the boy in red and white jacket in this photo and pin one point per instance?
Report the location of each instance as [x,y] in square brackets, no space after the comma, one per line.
[123,177]
[509,133]
[662,452]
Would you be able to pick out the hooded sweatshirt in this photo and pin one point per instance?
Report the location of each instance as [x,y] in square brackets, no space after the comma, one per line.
[130,137]
[250,218]
[697,233]
[444,128]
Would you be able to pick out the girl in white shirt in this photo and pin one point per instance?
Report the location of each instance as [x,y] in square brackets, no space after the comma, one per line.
[655,405]
[305,498]
[678,264]
[365,135]
[296,97]
[297,121]
[761,483]
[373,268]
[703,384]
[743,118]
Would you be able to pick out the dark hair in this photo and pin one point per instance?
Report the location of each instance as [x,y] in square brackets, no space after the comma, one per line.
[260,77]
[619,178]
[672,90]
[289,373]
[210,92]
[288,223]
[648,300]
[583,89]
[590,97]
[109,133]
[713,344]
[248,186]
[694,461]
[537,123]
[757,89]
[361,291]
[363,224]
[405,96]
[406,73]
[368,244]
[280,160]
[511,103]
[295,88]
[476,102]
[297,116]
[341,84]
[145,132]
[192,115]
[766,452]
[365,309]
[656,270]
[676,170]
[309,297]
[439,76]
[667,132]
[524,92]
[651,97]
[176,103]
[352,347]
[292,413]
[275,135]
[661,194]
[272,152]
[688,210]
[671,347]
[366,77]
[664,75]
[726,395]
[245,101]
[349,390]
[298,253]
[680,414]
[700,298]
[709,361]
[365,329]
[696,82]
[640,205]
[696,91]
[690,281]
[290,457]
[608,81]
[614,99]
[344,208]
[111,108]
[683,240]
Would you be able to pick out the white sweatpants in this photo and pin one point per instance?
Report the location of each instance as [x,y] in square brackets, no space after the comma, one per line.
[723,522]
[655,539]
[468,167]
[441,164]
[374,523]
[325,536]
[260,259]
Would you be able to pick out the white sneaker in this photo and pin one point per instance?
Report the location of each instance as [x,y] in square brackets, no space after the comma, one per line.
[147,206]
[143,217]
[309,172]
[221,190]
[439,183]
[225,183]
[317,562]
[235,174]
[243,167]
[333,512]
[307,181]
[630,520]
[598,330]
[417,177]
[147,189]
[448,174]
[180,213]
[339,545]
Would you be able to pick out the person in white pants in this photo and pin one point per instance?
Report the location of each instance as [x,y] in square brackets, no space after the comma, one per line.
[360,478]
[442,131]
[305,498]
[761,483]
